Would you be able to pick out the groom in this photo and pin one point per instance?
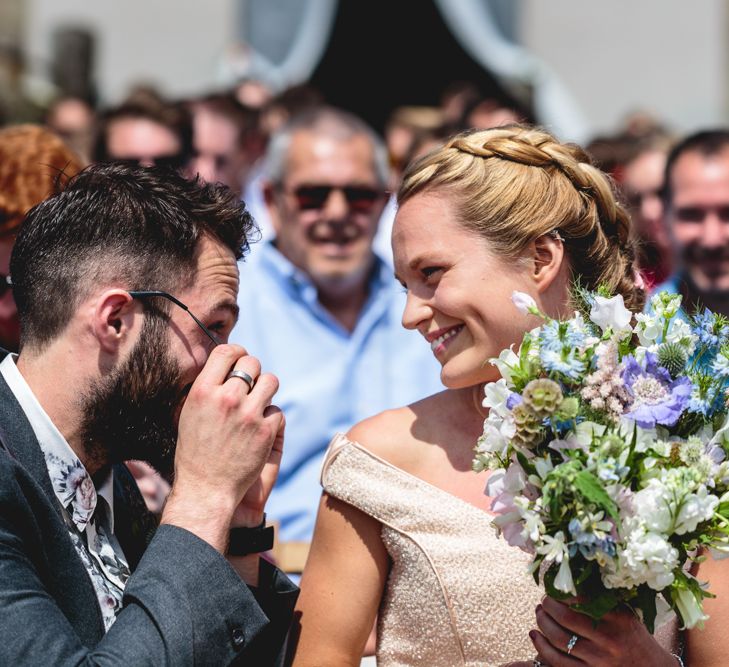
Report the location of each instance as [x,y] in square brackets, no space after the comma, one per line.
[126,284]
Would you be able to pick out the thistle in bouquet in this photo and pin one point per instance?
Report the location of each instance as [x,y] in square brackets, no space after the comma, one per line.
[607,440]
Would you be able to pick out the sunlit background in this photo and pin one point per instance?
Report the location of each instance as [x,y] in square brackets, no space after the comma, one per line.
[581,67]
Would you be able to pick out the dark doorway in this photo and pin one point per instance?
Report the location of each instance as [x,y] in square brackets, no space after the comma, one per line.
[388,53]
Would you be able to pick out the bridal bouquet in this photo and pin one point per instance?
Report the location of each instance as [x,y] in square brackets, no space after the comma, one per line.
[607,437]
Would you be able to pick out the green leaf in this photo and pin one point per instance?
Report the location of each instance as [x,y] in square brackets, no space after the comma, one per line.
[586,569]
[599,605]
[589,486]
[645,600]
[528,467]
[549,577]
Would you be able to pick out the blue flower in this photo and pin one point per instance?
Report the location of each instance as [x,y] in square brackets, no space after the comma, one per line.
[513,400]
[557,336]
[720,365]
[707,397]
[565,362]
[709,328]
[656,398]
[588,543]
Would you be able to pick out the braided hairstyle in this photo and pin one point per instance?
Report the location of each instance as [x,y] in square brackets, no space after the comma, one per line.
[514,184]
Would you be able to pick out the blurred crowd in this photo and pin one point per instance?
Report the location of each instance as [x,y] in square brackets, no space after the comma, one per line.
[318,181]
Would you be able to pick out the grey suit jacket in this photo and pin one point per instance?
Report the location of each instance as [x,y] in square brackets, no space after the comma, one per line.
[183,604]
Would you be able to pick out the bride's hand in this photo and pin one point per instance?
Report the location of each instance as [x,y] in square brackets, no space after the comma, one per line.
[618,639]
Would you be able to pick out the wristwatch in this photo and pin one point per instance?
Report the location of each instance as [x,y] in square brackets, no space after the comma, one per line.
[245,541]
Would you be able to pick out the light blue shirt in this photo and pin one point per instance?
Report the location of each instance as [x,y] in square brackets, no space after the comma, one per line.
[330,378]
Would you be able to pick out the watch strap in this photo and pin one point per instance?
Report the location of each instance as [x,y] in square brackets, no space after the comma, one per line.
[245,541]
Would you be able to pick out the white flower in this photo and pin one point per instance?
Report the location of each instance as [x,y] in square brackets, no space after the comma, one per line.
[661,447]
[689,608]
[668,506]
[499,427]
[611,313]
[654,506]
[665,305]
[497,394]
[555,550]
[645,438]
[563,581]
[506,362]
[696,507]
[503,485]
[623,498]
[649,328]
[679,331]
[586,431]
[533,526]
[510,526]
[493,441]
[648,558]
[544,466]
[524,303]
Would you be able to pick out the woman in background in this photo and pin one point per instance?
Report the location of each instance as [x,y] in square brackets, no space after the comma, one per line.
[34,164]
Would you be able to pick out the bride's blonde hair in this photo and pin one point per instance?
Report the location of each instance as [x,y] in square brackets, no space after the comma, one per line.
[514,184]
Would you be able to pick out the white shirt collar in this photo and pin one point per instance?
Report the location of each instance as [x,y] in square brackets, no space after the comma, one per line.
[52,442]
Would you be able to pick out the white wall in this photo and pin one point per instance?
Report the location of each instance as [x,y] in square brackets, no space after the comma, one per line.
[616,56]
[173,43]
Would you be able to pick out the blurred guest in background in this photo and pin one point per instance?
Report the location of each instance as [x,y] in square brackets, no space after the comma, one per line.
[146,130]
[287,104]
[642,184]
[404,125]
[73,118]
[455,98]
[318,307]
[696,202]
[488,111]
[34,164]
[226,140]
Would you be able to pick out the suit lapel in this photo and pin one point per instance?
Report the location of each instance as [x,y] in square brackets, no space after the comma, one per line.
[19,438]
[134,524]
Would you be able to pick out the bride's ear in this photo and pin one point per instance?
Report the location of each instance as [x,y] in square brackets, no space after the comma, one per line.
[547,256]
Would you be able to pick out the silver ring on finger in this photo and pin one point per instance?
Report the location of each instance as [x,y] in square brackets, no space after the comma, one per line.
[571,644]
[536,662]
[242,375]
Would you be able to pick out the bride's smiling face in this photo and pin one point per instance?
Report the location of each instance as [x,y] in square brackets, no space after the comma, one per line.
[459,292]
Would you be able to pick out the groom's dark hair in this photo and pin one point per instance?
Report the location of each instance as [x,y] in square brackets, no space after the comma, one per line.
[116,224]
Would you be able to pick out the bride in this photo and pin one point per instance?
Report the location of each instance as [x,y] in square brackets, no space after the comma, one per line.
[403,533]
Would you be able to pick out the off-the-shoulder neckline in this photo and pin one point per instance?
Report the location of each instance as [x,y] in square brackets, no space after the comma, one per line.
[344,440]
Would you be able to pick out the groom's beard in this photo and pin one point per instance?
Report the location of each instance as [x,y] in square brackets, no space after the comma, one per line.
[131,413]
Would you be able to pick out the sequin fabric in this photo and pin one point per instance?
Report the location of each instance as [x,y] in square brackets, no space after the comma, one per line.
[456,594]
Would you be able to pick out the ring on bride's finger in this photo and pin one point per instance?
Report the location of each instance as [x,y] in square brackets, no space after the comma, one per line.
[538,663]
[571,643]
[242,375]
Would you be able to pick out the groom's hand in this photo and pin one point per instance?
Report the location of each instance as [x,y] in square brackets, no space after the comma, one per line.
[249,512]
[225,438]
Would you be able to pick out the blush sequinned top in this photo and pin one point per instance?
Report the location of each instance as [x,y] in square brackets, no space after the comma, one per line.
[456,594]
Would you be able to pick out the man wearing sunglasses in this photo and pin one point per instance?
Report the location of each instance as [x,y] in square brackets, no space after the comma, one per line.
[696,205]
[318,306]
[126,290]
